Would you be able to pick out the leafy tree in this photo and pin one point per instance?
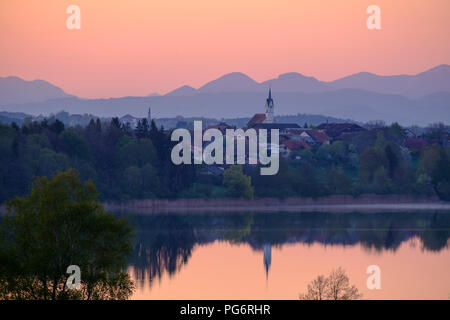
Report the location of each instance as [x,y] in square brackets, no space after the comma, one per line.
[397,131]
[323,153]
[49,162]
[59,224]
[380,142]
[136,152]
[279,185]
[238,184]
[381,181]
[306,155]
[338,181]
[150,181]
[437,131]
[353,157]
[338,151]
[370,160]
[132,182]
[305,181]
[435,164]
[75,145]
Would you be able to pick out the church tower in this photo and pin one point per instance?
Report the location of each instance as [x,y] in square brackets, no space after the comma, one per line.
[269,108]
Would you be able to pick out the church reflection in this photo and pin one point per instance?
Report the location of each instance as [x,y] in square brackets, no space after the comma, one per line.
[267,248]
[164,243]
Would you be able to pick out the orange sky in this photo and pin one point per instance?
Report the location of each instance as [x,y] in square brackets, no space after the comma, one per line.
[137,47]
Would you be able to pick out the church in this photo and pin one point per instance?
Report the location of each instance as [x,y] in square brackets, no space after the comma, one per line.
[267,120]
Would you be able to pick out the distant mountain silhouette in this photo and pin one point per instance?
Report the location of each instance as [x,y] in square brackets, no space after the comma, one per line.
[239,82]
[412,86]
[182,91]
[355,104]
[408,99]
[296,82]
[14,90]
[231,82]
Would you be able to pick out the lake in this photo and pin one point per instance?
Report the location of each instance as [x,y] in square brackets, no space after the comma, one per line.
[274,255]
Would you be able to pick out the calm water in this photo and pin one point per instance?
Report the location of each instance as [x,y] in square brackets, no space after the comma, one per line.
[275,255]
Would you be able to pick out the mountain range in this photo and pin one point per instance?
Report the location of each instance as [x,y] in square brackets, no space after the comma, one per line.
[14,90]
[411,86]
[409,99]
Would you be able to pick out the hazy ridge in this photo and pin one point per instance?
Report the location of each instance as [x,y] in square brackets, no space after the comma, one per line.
[408,99]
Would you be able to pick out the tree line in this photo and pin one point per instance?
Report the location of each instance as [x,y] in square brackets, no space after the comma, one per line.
[383,166]
[123,163]
[134,163]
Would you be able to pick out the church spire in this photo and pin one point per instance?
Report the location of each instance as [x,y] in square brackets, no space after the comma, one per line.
[269,108]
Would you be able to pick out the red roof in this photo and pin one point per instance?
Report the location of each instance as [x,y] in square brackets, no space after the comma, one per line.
[295,145]
[318,135]
[257,118]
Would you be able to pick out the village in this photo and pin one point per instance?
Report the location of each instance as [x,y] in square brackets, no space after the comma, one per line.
[297,142]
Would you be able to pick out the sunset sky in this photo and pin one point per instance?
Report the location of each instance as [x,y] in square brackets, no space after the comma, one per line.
[138,47]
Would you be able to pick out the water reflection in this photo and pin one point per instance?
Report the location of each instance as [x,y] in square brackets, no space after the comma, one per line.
[267,258]
[164,243]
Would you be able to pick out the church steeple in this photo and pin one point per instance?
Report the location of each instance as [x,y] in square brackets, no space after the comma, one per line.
[269,108]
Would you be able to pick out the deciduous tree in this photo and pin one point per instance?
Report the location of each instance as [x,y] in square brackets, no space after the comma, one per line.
[59,224]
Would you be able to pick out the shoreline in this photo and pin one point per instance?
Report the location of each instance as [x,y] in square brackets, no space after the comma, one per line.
[367,203]
[335,203]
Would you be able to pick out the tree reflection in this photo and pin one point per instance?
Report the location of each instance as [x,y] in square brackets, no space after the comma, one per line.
[164,243]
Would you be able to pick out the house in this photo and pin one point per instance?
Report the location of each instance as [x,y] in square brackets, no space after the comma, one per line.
[282,127]
[311,136]
[287,146]
[336,130]
[132,121]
